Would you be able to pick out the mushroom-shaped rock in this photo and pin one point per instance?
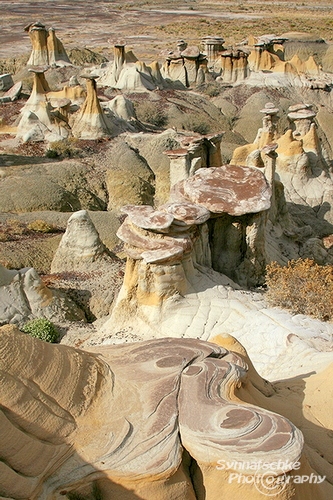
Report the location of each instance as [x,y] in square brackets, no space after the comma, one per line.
[302,114]
[191,52]
[229,189]
[298,107]
[46,47]
[147,218]
[270,109]
[161,247]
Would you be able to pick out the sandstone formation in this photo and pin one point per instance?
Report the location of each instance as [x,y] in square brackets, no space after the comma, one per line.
[80,246]
[302,163]
[47,49]
[91,122]
[163,245]
[24,296]
[82,254]
[181,400]
[185,66]
[39,119]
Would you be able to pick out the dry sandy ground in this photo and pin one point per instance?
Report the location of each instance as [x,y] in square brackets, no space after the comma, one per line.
[149,26]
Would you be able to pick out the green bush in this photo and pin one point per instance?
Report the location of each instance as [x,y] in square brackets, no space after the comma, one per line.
[41,328]
[302,286]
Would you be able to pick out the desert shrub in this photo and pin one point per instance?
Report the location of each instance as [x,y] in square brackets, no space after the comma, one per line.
[195,123]
[302,286]
[41,328]
[211,89]
[41,226]
[68,148]
[149,112]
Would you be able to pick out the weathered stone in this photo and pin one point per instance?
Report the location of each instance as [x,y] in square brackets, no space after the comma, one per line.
[24,296]
[166,395]
[6,82]
[229,189]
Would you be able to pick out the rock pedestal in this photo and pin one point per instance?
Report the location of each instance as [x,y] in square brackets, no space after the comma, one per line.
[47,49]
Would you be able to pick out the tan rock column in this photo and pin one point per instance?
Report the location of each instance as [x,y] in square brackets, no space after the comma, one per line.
[269,156]
[38,37]
[119,58]
[56,50]
[180,165]
[213,45]
[214,150]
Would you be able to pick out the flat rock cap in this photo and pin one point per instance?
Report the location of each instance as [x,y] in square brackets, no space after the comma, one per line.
[270,109]
[187,213]
[302,114]
[230,189]
[147,217]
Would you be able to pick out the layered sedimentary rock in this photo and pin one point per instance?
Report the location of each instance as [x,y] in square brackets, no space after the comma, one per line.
[185,66]
[45,114]
[82,255]
[91,122]
[47,49]
[130,418]
[24,296]
[162,244]
[234,65]
[80,246]
[197,152]
[302,163]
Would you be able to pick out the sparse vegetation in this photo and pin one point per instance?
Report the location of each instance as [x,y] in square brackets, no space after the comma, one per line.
[41,328]
[195,123]
[303,287]
[41,226]
[148,112]
[68,148]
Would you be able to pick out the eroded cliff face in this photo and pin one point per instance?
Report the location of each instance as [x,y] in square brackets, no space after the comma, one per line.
[157,419]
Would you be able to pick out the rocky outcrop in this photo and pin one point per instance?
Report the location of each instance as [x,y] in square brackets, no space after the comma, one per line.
[43,117]
[24,296]
[186,66]
[91,123]
[181,399]
[302,163]
[86,267]
[47,49]
[163,245]
[80,246]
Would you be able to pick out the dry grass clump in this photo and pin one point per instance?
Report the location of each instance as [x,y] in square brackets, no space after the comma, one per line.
[41,226]
[303,287]
[149,112]
[14,229]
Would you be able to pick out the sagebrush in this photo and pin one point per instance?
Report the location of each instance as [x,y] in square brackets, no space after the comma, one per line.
[302,286]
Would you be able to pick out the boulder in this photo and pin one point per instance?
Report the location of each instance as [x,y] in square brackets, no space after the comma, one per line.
[6,82]
[23,296]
